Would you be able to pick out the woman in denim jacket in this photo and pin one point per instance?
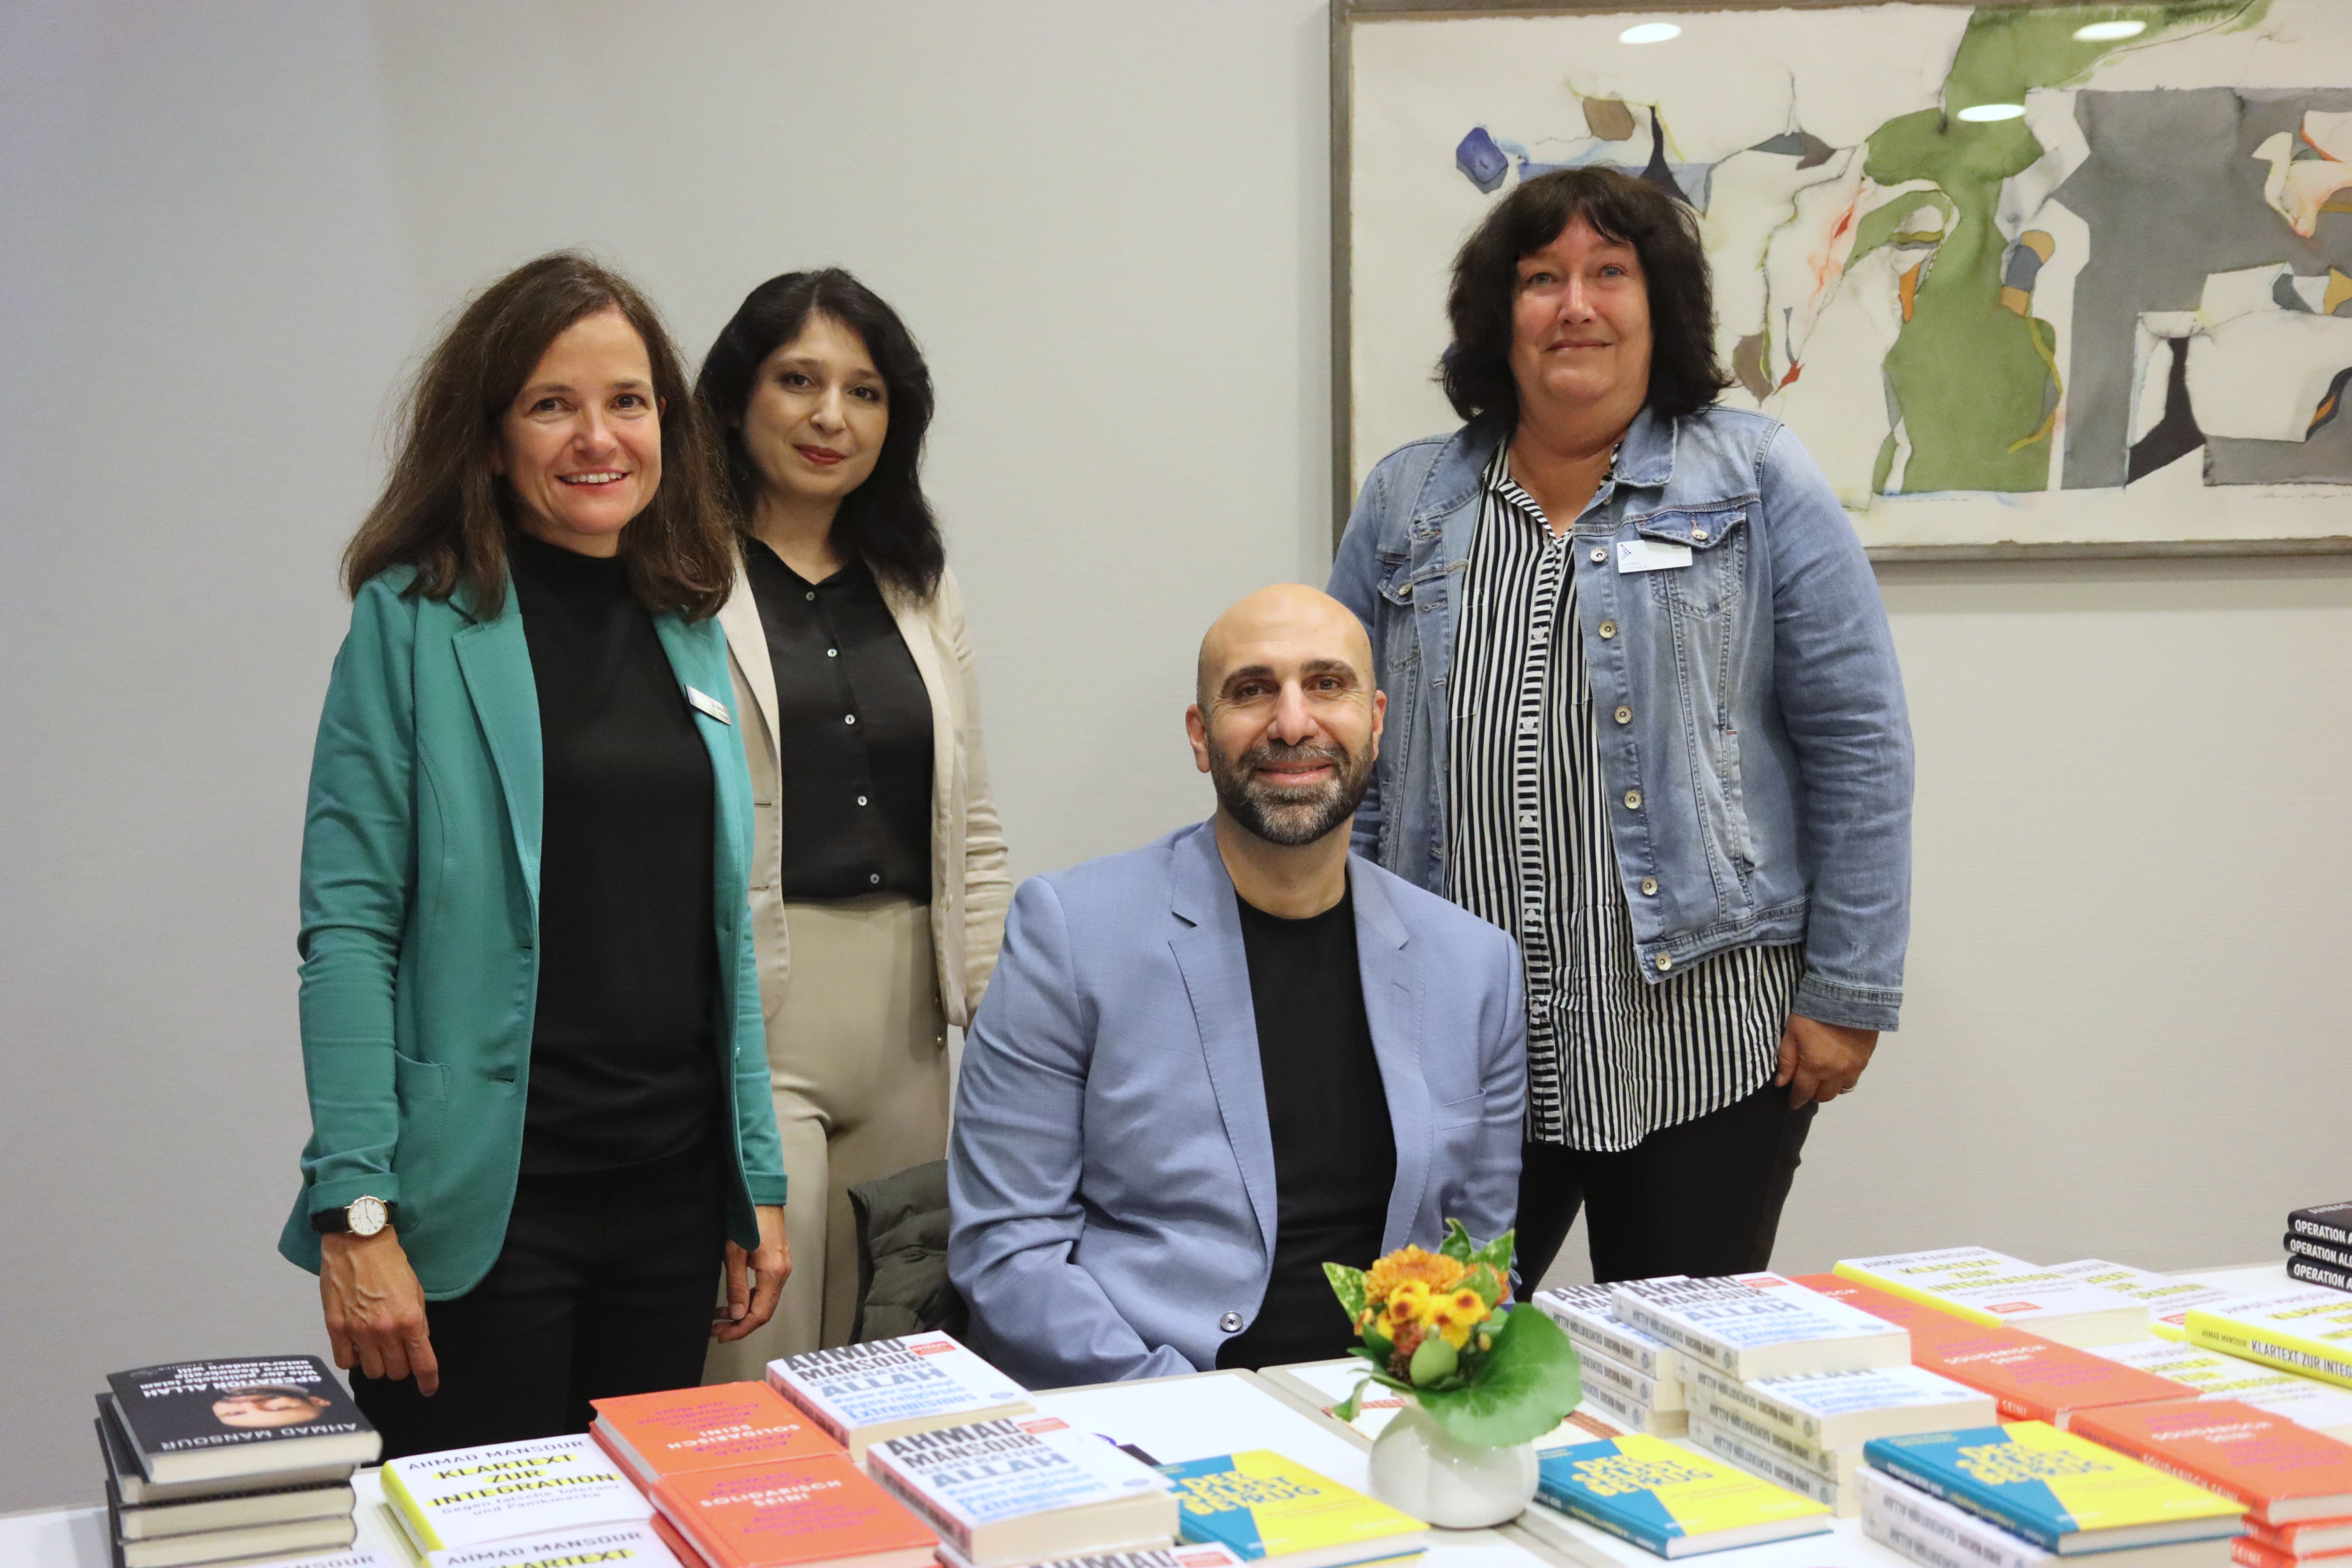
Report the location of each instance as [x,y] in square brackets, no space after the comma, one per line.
[1693,805]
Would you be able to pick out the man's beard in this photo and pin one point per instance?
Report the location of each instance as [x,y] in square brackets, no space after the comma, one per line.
[1288,815]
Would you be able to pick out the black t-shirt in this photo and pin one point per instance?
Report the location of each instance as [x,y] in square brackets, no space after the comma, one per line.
[853,734]
[1334,1149]
[623,1063]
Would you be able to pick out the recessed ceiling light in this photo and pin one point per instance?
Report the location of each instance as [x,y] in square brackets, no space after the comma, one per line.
[1650,32]
[2107,32]
[1984,112]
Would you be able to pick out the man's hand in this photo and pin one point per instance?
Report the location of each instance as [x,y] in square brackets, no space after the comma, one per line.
[755,1279]
[1821,1061]
[375,1309]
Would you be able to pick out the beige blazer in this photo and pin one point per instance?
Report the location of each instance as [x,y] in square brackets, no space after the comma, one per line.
[969,886]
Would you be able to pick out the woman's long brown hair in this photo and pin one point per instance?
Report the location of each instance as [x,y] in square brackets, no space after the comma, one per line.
[445,512]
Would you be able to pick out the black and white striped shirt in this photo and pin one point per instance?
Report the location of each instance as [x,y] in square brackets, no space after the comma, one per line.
[1611,1057]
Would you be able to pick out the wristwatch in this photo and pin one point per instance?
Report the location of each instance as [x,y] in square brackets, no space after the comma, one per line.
[364,1217]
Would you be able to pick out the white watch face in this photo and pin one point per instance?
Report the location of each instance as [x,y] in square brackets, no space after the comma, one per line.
[366,1215]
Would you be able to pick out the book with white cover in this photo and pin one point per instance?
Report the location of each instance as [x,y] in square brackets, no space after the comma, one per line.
[1837,1491]
[134,1522]
[1590,1318]
[506,1491]
[863,1394]
[1987,1287]
[1184,1554]
[1020,1489]
[632,1545]
[2213,1375]
[2167,1298]
[1635,1387]
[1610,1406]
[1751,1333]
[1937,1534]
[1847,1409]
[1709,1407]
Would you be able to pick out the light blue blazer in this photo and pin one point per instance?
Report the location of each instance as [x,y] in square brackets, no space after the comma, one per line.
[1111,1167]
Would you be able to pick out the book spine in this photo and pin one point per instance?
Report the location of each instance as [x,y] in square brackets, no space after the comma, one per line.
[2304,1246]
[1618,1408]
[1928,1482]
[1975,1544]
[805,1401]
[1919,1294]
[1622,1348]
[1798,1426]
[1798,1479]
[2311,1271]
[1621,1379]
[2302,1224]
[1739,1424]
[1687,1341]
[955,1531]
[1576,1507]
[2254,1344]
[411,1517]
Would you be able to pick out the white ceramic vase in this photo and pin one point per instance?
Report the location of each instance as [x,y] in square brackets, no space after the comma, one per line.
[1416,1467]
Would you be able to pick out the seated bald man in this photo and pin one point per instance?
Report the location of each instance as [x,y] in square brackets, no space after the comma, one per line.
[1206,1067]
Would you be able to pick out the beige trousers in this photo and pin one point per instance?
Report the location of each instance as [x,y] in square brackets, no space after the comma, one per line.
[857,1058]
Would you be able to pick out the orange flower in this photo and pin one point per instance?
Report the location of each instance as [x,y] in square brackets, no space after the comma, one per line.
[1430,1270]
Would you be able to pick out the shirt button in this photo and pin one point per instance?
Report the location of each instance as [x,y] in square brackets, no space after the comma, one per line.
[809,595]
[1601,556]
[1609,628]
[849,718]
[874,879]
[832,653]
[1650,887]
[1633,800]
[1665,961]
[1624,715]
[1230,1322]
[861,800]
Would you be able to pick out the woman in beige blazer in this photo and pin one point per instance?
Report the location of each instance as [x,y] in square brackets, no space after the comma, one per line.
[878,887]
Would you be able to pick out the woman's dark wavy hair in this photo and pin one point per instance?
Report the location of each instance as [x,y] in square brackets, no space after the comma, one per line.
[885,522]
[446,511]
[1476,369]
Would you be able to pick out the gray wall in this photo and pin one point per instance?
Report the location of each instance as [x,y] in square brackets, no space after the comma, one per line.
[230,225]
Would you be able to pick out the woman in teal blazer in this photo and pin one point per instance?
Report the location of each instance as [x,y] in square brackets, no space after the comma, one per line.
[531,1028]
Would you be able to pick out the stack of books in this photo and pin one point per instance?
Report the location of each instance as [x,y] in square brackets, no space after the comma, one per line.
[2301,1400]
[2167,1298]
[2306,1331]
[2319,1246]
[211,1461]
[1669,1499]
[2030,1378]
[1630,1378]
[1024,1490]
[1261,1507]
[2284,1477]
[2022,1496]
[1995,1289]
[865,1394]
[505,1505]
[1806,1434]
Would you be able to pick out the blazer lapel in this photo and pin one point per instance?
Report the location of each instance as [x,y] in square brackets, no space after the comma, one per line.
[747,640]
[1392,998]
[1209,954]
[495,662]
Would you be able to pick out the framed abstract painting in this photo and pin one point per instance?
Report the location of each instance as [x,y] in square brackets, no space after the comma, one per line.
[2026,279]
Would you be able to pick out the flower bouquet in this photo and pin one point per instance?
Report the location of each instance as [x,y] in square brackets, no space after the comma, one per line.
[1437,1326]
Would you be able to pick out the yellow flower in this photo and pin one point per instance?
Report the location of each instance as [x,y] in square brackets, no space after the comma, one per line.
[1456,1316]
[1408,1304]
[1430,1270]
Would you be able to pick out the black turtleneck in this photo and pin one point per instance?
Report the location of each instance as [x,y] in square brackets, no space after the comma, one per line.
[623,1064]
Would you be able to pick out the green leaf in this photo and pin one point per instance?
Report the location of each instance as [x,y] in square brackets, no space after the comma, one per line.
[1457,1243]
[1496,1254]
[1490,1285]
[1346,1409]
[1347,1284]
[1377,1346]
[1526,1387]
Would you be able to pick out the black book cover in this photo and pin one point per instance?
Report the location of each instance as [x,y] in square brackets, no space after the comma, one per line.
[258,1402]
[2311,1271]
[2305,1247]
[2326,1222]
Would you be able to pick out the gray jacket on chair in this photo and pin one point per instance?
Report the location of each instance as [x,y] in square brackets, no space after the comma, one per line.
[1111,1167]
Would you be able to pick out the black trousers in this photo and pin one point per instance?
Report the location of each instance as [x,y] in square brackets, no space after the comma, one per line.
[603,1287]
[1701,1198]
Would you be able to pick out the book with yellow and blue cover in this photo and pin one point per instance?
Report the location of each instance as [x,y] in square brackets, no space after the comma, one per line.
[1265,1507]
[2063,1492]
[1670,1499]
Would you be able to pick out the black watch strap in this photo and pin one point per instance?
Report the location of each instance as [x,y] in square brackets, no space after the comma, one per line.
[337,1221]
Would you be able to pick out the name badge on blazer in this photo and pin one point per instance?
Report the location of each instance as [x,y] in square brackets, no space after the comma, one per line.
[711,705]
[1651,555]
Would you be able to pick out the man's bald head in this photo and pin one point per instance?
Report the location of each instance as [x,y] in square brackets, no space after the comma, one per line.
[1286,719]
[1289,616]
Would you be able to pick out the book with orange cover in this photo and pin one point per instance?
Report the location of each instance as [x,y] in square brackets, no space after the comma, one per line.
[681,1430]
[680,1546]
[2279,1471]
[2028,1377]
[2250,1551]
[818,1513]
[2305,1537]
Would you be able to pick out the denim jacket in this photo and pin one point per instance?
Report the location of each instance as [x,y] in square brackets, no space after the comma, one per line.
[1761,782]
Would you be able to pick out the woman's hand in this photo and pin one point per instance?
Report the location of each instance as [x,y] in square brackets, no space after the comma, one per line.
[375,1309]
[755,1279]
[1821,1061]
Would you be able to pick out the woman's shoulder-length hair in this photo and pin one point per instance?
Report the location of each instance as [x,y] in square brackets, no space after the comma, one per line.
[1475,370]
[887,521]
[445,512]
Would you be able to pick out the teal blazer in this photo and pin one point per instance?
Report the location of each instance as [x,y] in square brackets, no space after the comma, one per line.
[420,927]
